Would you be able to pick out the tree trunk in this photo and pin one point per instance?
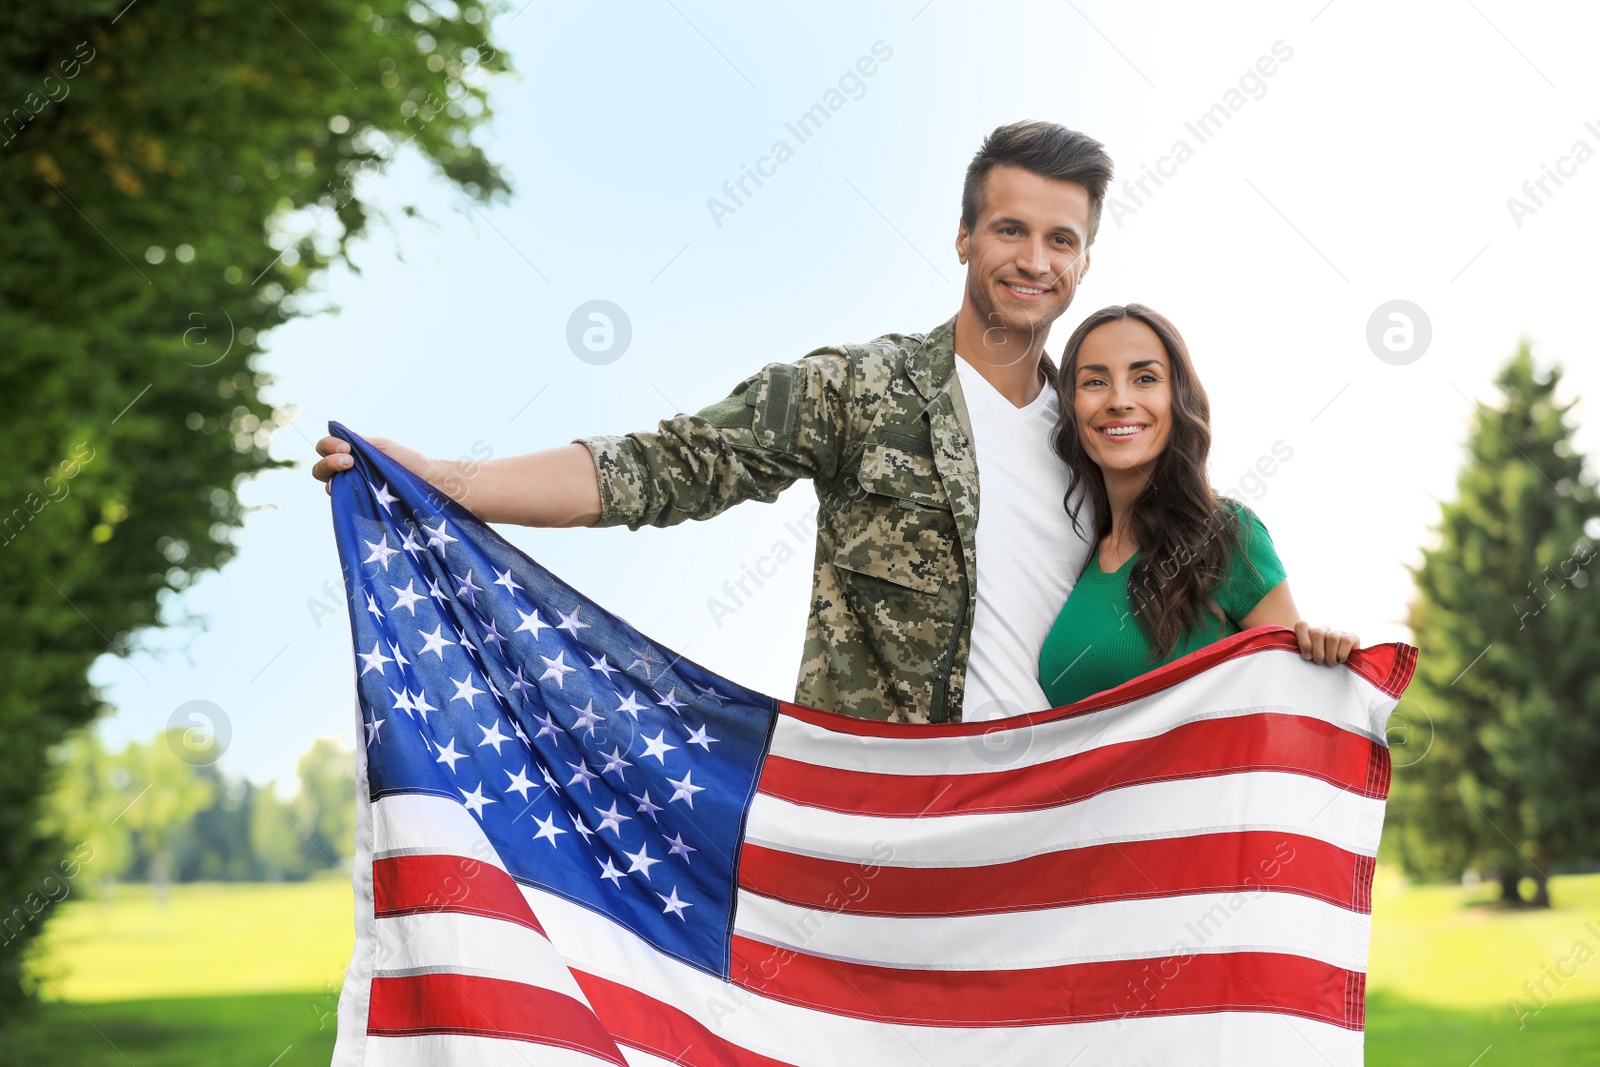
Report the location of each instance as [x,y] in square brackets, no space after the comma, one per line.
[1509,893]
[1541,879]
[161,876]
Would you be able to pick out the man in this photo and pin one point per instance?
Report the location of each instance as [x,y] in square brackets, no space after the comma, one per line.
[923,607]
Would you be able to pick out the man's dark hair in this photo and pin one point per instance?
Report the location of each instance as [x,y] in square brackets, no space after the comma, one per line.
[1045,149]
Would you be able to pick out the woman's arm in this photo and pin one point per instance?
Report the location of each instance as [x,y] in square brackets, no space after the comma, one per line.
[1319,644]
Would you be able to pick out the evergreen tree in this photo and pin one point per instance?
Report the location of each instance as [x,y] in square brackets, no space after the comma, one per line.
[1508,623]
[164,166]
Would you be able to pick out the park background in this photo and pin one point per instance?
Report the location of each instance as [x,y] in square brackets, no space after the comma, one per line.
[224,225]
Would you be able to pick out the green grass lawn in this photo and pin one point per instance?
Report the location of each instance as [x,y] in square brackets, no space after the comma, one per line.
[248,974]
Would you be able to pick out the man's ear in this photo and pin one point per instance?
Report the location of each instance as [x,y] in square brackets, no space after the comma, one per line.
[961,241]
[1083,265]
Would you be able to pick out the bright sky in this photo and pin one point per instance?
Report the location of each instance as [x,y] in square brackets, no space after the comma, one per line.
[1373,164]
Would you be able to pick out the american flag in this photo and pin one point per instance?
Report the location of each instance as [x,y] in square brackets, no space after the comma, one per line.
[577,847]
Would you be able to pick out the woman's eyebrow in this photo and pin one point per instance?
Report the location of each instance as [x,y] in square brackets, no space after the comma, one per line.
[1135,365]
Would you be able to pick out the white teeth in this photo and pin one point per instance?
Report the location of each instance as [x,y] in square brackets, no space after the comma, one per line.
[1025,289]
[1121,431]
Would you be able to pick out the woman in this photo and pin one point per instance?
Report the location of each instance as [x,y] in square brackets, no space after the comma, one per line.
[1174,567]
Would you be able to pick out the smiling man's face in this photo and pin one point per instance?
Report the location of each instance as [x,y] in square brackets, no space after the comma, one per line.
[1027,251]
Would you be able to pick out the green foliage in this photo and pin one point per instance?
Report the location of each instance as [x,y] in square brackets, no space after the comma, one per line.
[164,165]
[145,814]
[1509,630]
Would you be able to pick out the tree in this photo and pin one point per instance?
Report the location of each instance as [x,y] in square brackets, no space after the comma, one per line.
[165,793]
[325,807]
[164,168]
[1508,625]
[87,805]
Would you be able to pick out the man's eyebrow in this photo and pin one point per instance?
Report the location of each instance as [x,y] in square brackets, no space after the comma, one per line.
[1006,220]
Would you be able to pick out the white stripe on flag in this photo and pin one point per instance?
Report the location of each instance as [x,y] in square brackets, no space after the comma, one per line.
[1117,930]
[813,1038]
[470,944]
[1225,803]
[1274,681]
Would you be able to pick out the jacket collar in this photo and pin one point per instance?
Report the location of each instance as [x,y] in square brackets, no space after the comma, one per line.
[934,361]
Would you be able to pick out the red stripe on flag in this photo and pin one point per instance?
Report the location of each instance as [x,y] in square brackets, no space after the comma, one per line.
[1264,742]
[1130,870]
[1070,993]
[410,885]
[649,1025]
[486,1007]
[1388,667]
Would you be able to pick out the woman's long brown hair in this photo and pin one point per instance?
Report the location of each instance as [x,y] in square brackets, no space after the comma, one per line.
[1182,530]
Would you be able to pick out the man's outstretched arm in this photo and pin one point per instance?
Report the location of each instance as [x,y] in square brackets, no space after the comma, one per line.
[555,487]
[783,423]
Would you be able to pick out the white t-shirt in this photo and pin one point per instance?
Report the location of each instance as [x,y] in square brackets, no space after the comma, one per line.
[1029,556]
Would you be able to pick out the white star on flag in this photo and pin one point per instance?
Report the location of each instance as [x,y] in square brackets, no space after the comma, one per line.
[435,642]
[683,789]
[381,552]
[673,904]
[582,773]
[556,668]
[615,762]
[465,690]
[612,819]
[679,848]
[374,660]
[438,538]
[408,598]
[449,755]
[510,583]
[657,746]
[408,543]
[642,860]
[520,782]
[475,800]
[645,804]
[493,736]
[467,587]
[421,705]
[548,829]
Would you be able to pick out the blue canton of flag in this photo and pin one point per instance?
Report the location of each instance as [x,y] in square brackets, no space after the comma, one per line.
[602,768]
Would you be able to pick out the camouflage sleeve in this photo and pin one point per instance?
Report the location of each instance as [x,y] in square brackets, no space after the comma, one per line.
[786,422]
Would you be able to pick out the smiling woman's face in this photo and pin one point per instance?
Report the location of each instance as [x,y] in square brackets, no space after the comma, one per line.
[1123,395]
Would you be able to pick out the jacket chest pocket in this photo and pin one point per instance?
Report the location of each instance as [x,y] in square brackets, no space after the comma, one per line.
[898,521]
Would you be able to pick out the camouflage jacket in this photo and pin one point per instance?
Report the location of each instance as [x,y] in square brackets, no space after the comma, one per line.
[882,431]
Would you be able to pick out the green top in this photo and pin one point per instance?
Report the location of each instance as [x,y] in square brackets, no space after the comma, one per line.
[1097,642]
